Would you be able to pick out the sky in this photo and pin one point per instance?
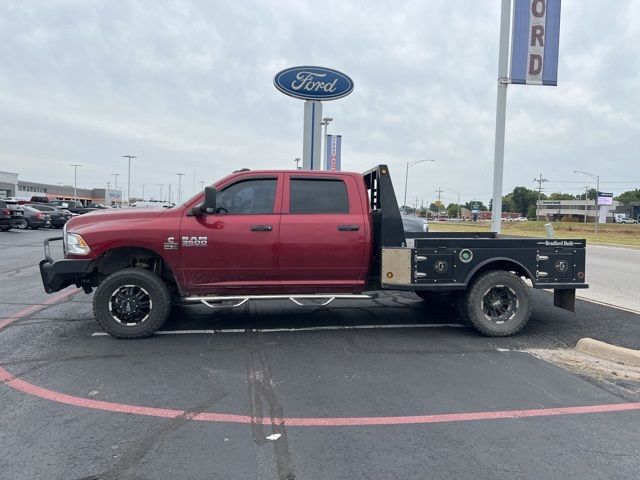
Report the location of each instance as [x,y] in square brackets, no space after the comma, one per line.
[188,86]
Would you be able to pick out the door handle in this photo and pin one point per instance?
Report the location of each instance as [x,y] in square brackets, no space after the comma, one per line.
[261,228]
[348,228]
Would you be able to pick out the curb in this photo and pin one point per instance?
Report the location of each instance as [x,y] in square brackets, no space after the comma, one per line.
[614,353]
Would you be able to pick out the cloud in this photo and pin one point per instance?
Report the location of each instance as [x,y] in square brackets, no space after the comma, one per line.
[188,85]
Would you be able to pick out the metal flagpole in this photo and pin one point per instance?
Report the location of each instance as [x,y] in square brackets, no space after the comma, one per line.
[501,110]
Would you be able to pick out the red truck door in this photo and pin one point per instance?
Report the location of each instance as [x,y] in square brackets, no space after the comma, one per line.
[324,234]
[235,249]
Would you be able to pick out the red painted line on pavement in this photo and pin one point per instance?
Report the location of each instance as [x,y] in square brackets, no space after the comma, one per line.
[36,307]
[30,389]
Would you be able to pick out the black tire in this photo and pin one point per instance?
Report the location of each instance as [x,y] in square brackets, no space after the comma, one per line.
[136,287]
[498,304]
[22,225]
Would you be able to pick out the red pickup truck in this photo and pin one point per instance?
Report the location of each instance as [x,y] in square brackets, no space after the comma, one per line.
[305,236]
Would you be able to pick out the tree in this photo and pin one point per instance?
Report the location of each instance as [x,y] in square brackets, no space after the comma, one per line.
[473,204]
[629,196]
[522,198]
[561,196]
[452,210]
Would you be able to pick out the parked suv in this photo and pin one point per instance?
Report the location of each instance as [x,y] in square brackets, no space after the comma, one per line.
[76,207]
[628,220]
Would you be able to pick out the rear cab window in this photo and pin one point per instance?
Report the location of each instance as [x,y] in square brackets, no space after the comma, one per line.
[318,195]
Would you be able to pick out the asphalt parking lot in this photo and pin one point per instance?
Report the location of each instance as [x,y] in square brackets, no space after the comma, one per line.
[271,390]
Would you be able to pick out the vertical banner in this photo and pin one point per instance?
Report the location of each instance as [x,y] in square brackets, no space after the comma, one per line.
[536,36]
[332,160]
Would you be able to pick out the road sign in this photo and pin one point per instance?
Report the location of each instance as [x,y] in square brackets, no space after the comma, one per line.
[536,34]
[605,198]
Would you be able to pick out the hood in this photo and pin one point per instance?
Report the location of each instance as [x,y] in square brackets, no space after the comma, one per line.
[116,215]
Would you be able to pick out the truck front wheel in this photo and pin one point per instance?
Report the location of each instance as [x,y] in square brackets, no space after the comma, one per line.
[498,304]
[131,303]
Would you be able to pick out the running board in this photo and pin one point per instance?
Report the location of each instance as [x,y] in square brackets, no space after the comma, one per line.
[242,299]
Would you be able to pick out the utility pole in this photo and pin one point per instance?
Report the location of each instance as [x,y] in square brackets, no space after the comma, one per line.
[597,179]
[170,196]
[179,197]
[540,181]
[129,178]
[75,180]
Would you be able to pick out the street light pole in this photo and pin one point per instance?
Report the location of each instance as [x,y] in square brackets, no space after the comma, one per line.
[143,192]
[202,182]
[75,180]
[179,196]
[455,191]
[597,179]
[406,180]
[325,122]
[115,182]
[161,197]
[297,160]
[129,178]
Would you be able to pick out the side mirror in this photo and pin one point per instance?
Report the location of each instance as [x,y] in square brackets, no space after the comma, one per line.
[209,205]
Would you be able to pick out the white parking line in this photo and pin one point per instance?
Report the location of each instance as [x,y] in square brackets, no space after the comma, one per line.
[302,329]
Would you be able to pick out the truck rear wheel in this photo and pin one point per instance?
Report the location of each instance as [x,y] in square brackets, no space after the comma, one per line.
[498,304]
[131,303]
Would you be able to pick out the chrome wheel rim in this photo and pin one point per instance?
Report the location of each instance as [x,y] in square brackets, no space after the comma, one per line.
[130,305]
[500,304]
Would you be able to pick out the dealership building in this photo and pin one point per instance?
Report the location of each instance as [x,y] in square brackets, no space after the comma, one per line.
[11,186]
[574,210]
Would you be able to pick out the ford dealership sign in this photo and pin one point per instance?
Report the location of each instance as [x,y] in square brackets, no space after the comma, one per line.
[313,83]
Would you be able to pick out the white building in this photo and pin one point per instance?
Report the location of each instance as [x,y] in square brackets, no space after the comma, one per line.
[8,184]
[574,210]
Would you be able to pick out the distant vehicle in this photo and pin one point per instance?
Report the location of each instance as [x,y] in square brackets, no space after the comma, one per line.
[628,220]
[411,223]
[521,219]
[35,218]
[152,204]
[5,216]
[17,214]
[39,199]
[77,207]
[58,216]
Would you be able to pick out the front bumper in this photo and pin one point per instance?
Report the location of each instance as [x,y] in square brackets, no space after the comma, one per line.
[57,275]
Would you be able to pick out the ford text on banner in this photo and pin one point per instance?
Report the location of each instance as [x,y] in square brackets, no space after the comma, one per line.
[534,50]
[332,161]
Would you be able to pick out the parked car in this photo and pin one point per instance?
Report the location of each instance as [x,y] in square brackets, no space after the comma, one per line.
[152,204]
[59,216]
[77,207]
[628,220]
[17,214]
[35,218]
[411,223]
[5,216]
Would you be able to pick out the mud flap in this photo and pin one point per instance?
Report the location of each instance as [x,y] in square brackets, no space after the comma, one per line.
[565,299]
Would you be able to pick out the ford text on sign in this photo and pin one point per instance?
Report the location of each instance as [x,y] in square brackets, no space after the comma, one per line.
[313,83]
[534,50]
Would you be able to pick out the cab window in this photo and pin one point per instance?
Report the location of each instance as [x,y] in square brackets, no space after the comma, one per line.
[318,196]
[248,197]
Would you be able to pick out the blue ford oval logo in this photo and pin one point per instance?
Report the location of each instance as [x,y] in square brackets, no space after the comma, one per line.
[313,83]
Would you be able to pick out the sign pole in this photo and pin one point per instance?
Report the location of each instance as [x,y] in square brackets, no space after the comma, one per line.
[312,133]
[501,111]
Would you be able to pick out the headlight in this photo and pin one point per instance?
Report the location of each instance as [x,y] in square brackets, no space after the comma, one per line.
[75,244]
